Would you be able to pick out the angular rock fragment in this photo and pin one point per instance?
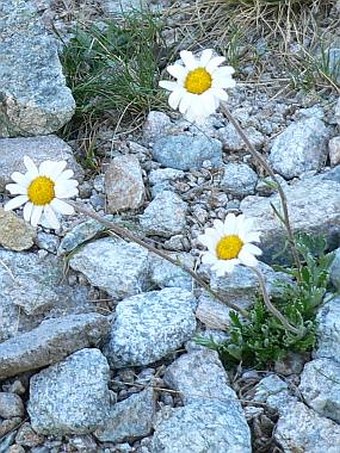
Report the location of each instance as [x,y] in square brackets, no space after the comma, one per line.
[33,92]
[52,341]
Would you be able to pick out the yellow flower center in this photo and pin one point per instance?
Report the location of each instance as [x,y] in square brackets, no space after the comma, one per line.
[41,190]
[228,247]
[198,81]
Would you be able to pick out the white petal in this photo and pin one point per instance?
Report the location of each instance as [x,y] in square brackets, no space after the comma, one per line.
[178,71]
[219,226]
[62,207]
[251,248]
[209,258]
[240,221]
[51,217]
[168,85]
[28,211]
[46,168]
[206,57]
[208,241]
[224,267]
[213,63]
[16,189]
[229,224]
[185,103]
[52,169]
[245,226]
[247,259]
[66,190]
[175,98]
[223,83]
[208,102]
[20,179]
[31,167]
[219,93]
[58,169]
[15,202]
[189,60]
[67,174]
[36,214]
[196,110]
[223,73]
[253,236]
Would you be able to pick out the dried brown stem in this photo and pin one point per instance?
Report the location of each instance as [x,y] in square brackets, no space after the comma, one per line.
[273,310]
[257,156]
[127,234]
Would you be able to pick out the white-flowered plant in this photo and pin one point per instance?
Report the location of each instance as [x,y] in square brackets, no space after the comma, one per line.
[42,190]
[200,86]
[230,243]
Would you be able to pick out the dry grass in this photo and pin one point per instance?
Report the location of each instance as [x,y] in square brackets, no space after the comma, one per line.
[298,34]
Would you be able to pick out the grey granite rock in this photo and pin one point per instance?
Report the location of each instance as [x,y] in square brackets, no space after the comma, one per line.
[328,331]
[233,142]
[155,126]
[28,438]
[167,275]
[160,175]
[301,429]
[117,267]
[335,270]
[300,148]
[332,175]
[239,179]
[34,96]
[31,286]
[161,179]
[6,441]
[81,233]
[320,387]
[334,151]
[273,391]
[203,426]
[130,419]
[314,207]
[71,396]
[186,152]
[165,216]
[11,405]
[47,241]
[53,340]
[116,8]
[124,186]
[337,111]
[199,375]
[242,285]
[149,326]
[51,147]
[212,313]
[15,233]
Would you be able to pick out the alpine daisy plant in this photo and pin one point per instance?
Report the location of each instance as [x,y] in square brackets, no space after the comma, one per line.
[42,190]
[230,243]
[200,85]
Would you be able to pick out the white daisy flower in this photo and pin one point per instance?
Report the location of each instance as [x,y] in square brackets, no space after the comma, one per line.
[42,190]
[230,243]
[200,84]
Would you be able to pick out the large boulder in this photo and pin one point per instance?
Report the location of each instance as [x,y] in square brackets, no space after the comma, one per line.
[314,207]
[34,99]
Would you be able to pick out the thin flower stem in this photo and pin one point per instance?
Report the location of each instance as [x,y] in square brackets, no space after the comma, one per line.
[126,234]
[282,195]
[275,312]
